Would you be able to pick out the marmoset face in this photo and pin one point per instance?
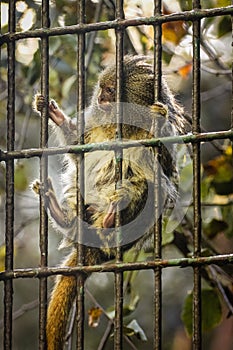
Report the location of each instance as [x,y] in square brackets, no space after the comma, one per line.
[106,96]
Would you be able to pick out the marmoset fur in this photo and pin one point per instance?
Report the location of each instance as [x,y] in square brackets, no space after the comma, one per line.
[133,197]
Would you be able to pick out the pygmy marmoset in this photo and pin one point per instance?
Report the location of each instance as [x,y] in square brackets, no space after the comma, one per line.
[133,197]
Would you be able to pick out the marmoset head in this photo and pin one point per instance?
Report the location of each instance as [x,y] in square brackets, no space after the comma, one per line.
[137,84]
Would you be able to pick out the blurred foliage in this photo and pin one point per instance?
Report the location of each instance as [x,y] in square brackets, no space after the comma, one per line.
[211,310]
[219,172]
[217,178]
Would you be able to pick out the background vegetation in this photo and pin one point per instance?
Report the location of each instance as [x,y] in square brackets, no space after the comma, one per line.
[217,185]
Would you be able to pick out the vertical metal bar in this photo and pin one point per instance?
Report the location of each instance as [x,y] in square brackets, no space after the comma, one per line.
[9,220]
[196,108]
[118,322]
[43,177]
[232,86]
[157,186]
[80,175]
[157,51]
[232,79]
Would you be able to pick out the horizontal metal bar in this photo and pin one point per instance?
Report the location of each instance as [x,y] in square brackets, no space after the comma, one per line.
[113,145]
[143,265]
[116,24]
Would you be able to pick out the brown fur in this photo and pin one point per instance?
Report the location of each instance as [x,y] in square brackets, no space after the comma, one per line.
[138,92]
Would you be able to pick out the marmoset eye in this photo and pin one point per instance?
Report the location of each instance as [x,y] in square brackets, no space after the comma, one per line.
[110,90]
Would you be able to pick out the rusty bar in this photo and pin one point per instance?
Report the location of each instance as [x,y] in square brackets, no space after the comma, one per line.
[80,313]
[86,28]
[118,321]
[196,109]
[42,273]
[112,145]
[232,87]
[220,260]
[9,219]
[157,184]
[43,176]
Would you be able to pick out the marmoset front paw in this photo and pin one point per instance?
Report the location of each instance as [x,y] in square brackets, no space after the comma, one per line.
[159,109]
[55,113]
[159,115]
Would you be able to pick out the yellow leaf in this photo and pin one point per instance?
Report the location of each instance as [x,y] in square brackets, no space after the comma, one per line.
[94,316]
[2,257]
[185,70]
[173,31]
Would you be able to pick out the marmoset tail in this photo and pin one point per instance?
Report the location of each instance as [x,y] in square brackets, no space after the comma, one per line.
[133,197]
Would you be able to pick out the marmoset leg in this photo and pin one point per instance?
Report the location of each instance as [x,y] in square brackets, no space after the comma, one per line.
[61,216]
[129,199]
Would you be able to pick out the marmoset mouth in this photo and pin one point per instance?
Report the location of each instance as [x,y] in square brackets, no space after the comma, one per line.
[105,106]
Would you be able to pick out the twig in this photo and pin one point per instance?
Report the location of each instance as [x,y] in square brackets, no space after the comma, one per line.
[106,335]
[25,224]
[215,92]
[21,311]
[68,338]
[216,71]
[108,330]
[219,286]
[208,50]
[92,36]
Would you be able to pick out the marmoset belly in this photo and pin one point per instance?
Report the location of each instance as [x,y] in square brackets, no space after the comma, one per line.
[132,197]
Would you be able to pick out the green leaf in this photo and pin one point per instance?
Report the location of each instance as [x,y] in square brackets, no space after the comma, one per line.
[211,311]
[186,177]
[168,228]
[227,213]
[224,26]
[127,308]
[185,5]
[223,3]
[133,328]
[214,227]
[223,188]
[21,180]
[167,56]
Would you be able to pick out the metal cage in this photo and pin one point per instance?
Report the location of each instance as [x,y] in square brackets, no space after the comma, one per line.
[8,156]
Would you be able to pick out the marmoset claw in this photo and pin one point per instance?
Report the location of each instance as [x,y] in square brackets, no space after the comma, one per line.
[158,108]
[36,187]
[39,103]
